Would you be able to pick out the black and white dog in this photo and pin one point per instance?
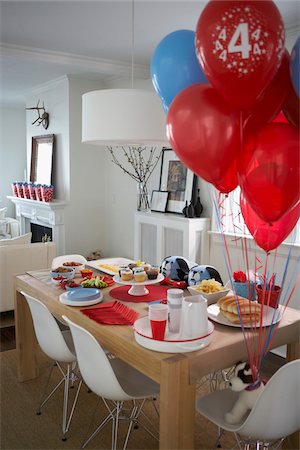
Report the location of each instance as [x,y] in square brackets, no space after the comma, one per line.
[242,382]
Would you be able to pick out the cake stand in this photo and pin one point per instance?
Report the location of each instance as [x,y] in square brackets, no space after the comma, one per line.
[138,288]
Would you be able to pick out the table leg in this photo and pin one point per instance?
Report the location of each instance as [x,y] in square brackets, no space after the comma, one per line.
[177,405]
[293,442]
[26,342]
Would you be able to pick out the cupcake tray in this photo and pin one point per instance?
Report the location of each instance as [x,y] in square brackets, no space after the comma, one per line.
[138,288]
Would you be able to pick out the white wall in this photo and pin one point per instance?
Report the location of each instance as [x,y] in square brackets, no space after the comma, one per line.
[12,152]
[55,96]
[86,212]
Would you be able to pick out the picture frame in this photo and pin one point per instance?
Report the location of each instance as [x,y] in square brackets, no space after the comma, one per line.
[159,200]
[177,180]
[42,150]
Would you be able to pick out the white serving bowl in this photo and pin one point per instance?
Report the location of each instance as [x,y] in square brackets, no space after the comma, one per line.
[76,268]
[69,275]
[211,298]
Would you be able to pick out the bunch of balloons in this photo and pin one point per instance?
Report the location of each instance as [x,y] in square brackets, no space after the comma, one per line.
[221,87]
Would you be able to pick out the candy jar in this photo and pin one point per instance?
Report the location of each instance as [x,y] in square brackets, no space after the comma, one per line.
[26,190]
[32,191]
[20,189]
[15,189]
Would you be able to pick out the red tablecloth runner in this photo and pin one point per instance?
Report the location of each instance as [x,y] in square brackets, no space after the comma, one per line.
[155,293]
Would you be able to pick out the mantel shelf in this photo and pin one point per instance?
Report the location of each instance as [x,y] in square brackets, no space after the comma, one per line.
[36,203]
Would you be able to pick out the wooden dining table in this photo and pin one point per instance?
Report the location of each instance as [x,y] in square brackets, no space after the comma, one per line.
[177,373]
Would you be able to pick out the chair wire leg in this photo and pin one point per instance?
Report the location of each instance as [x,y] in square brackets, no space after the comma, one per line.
[115,434]
[155,407]
[74,405]
[50,395]
[65,404]
[41,403]
[102,424]
[131,422]
[238,441]
[141,412]
[220,433]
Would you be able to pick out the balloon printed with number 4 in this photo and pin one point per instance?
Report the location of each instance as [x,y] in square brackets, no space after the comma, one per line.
[269,170]
[267,236]
[204,131]
[272,99]
[240,45]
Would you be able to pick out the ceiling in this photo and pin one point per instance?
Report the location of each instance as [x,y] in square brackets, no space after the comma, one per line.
[43,40]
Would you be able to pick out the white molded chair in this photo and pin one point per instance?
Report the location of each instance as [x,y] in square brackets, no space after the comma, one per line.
[275,415]
[111,379]
[58,260]
[58,345]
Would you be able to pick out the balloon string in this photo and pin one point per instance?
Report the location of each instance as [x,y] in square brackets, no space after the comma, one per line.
[286,299]
[227,260]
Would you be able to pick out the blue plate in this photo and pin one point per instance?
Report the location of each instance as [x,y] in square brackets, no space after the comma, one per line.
[83,294]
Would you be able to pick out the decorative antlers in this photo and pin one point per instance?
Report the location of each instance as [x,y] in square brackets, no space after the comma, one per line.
[43,118]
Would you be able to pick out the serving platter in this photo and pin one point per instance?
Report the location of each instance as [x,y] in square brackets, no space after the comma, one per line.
[98,264]
[270,316]
[138,287]
[172,342]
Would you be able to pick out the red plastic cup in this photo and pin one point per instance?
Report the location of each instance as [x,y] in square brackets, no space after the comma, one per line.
[268,297]
[158,315]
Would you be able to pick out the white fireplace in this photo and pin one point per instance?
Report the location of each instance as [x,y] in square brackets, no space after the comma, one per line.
[50,215]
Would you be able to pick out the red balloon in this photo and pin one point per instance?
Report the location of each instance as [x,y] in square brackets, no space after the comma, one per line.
[291,108]
[272,99]
[230,181]
[240,45]
[280,118]
[268,170]
[267,236]
[204,131]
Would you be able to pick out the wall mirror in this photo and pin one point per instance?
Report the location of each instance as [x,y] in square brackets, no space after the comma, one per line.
[42,149]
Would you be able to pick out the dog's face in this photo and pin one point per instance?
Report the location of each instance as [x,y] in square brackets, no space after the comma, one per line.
[242,377]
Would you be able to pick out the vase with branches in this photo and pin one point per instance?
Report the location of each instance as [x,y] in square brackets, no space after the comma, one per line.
[141,163]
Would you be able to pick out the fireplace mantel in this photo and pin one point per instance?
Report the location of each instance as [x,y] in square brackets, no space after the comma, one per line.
[42,213]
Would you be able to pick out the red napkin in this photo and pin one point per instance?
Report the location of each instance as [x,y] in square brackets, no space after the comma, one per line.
[112,313]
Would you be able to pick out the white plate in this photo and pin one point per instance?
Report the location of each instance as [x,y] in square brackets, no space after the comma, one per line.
[111,262]
[214,314]
[172,342]
[63,298]
[211,298]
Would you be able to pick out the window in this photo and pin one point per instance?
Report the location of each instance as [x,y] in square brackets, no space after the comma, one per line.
[230,220]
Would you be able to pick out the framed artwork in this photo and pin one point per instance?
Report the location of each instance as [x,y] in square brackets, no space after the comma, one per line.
[159,201]
[177,180]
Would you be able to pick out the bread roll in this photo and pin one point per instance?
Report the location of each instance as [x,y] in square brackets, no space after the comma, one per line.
[245,318]
[245,307]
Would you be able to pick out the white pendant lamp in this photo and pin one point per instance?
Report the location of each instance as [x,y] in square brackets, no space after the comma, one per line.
[123,116]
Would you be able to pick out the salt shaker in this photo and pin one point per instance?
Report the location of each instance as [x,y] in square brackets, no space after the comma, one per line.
[174,298]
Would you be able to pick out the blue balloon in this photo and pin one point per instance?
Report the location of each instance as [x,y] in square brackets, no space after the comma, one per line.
[174,65]
[295,66]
